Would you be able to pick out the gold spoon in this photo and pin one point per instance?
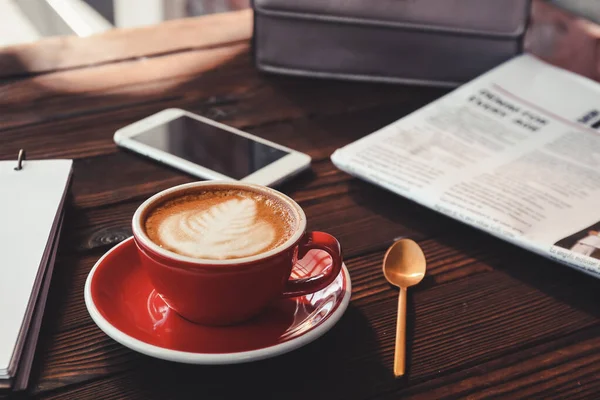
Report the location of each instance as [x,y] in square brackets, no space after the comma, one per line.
[403,266]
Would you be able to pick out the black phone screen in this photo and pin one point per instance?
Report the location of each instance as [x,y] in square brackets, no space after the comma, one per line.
[211,147]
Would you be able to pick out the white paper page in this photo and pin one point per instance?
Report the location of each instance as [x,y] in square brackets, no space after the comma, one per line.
[516,152]
[29,204]
[21,378]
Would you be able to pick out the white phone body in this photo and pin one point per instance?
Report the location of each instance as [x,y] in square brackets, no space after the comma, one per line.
[269,175]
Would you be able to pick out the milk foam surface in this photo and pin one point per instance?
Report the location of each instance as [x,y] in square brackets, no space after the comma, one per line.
[227,226]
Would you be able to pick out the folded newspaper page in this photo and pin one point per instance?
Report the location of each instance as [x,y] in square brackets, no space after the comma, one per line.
[516,153]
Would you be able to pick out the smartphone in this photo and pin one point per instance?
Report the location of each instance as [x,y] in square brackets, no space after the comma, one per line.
[210,150]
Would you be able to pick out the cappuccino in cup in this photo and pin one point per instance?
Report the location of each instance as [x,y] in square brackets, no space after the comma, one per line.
[220,224]
[219,253]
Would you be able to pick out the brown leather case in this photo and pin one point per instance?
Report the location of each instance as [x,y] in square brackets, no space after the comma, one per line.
[426,42]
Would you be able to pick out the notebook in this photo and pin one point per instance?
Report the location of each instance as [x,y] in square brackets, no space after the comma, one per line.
[31,203]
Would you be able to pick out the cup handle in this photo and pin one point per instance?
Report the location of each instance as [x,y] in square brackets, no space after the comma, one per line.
[316,241]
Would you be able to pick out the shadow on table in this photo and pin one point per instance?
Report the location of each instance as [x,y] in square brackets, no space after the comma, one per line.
[558,281]
[331,363]
[417,222]
[413,220]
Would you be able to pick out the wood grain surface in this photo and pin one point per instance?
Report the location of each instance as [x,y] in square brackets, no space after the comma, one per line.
[489,320]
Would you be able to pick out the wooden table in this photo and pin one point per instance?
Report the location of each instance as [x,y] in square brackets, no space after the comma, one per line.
[488,320]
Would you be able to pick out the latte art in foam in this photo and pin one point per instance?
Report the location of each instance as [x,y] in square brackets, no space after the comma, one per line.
[226,230]
[221,224]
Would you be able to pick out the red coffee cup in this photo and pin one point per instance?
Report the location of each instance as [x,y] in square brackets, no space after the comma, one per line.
[222,292]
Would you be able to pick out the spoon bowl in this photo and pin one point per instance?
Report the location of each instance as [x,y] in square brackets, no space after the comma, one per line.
[403,266]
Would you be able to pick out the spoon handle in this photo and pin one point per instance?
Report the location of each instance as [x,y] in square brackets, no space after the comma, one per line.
[400,354]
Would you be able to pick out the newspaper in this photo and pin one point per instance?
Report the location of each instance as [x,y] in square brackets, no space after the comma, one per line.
[515,152]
